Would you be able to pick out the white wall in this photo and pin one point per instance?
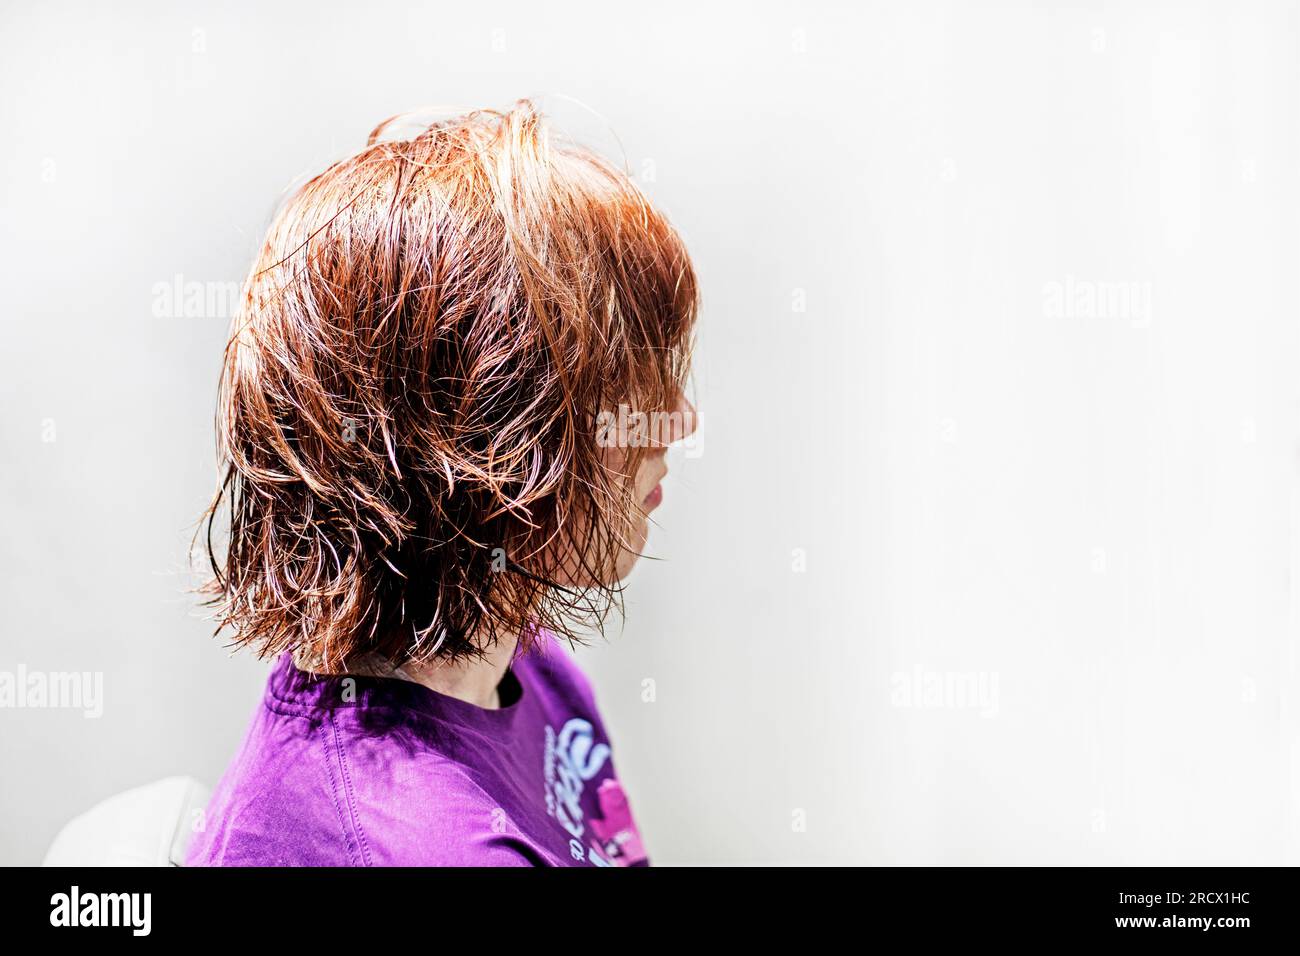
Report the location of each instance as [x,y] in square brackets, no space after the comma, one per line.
[1091,508]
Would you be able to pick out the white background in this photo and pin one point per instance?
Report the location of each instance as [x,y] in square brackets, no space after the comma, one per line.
[1091,509]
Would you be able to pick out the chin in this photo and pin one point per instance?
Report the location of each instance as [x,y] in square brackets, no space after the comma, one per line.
[624,567]
[628,558]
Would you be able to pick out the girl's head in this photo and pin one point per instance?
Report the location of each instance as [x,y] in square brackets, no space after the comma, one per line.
[445,397]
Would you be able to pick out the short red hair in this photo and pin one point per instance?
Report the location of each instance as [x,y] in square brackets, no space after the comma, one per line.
[408,405]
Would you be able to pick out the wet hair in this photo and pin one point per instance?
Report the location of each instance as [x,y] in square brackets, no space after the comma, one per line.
[409,402]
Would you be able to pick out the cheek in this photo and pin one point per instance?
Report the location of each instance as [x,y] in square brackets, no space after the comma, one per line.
[635,475]
[615,460]
[635,530]
[621,558]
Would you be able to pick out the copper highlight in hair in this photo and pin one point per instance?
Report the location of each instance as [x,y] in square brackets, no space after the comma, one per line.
[408,403]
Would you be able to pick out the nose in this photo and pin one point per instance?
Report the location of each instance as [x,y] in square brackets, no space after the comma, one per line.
[684,420]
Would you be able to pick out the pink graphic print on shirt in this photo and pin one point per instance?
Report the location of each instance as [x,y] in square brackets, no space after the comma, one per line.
[572,759]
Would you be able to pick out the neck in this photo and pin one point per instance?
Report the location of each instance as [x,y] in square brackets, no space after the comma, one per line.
[473,681]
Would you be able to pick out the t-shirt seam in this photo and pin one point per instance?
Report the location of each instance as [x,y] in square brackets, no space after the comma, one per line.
[349,794]
[334,794]
[289,708]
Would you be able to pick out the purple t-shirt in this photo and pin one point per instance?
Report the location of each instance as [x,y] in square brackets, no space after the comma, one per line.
[372,771]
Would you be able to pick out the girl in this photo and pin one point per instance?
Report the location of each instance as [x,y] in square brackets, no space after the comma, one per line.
[443,415]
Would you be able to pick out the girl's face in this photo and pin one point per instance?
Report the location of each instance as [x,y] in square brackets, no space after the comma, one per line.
[650,434]
[661,430]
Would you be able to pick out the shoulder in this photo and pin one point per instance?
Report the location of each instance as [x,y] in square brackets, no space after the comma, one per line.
[330,788]
[281,801]
[349,800]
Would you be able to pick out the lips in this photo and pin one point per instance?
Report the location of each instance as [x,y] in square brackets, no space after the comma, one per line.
[653,499]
